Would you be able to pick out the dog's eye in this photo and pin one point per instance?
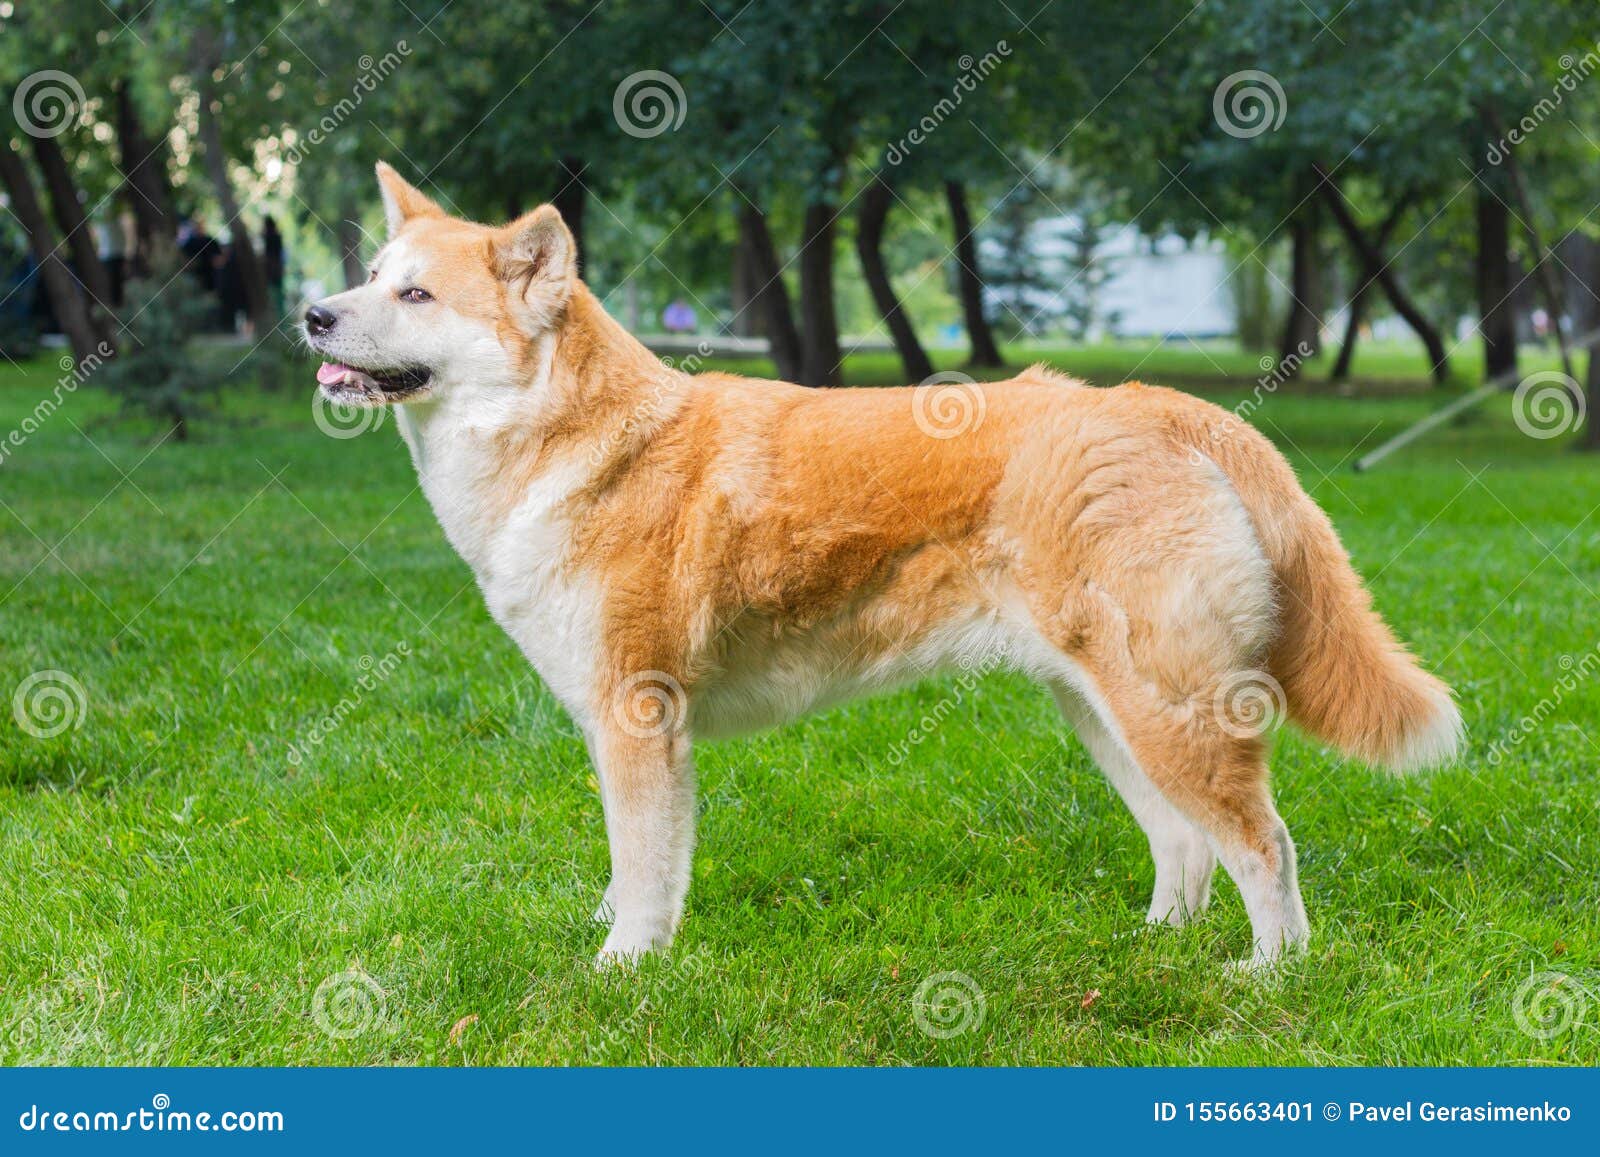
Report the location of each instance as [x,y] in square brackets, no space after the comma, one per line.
[415,296]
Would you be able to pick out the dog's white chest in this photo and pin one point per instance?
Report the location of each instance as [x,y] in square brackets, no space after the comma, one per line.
[519,560]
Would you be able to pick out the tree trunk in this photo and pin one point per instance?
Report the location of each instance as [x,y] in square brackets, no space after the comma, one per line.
[819,319]
[252,271]
[144,172]
[969,279]
[1496,316]
[76,232]
[70,307]
[769,297]
[744,282]
[1591,428]
[1377,268]
[1302,330]
[1543,266]
[874,211]
[348,235]
[570,199]
[1359,298]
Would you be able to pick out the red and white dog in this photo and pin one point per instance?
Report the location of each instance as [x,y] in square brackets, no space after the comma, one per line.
[695,555]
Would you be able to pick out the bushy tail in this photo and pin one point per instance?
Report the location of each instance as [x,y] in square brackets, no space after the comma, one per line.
[1346,678]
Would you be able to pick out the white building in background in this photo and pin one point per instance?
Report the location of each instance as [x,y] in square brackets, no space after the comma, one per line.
[1139,286]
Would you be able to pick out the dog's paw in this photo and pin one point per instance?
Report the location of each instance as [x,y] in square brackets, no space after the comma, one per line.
[628,943]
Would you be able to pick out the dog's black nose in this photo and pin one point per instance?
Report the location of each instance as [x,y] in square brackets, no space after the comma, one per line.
[320,321]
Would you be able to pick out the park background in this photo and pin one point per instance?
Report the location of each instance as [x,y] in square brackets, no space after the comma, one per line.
[273,787]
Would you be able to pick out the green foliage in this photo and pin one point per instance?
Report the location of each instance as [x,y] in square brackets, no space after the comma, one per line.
[159,373]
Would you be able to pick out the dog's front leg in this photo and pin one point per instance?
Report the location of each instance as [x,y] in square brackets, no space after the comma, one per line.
[647,786]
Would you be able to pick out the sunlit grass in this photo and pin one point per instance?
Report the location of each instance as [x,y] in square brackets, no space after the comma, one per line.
[176,890]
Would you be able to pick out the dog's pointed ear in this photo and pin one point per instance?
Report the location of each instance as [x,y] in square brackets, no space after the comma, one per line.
[401,201]
[538,256]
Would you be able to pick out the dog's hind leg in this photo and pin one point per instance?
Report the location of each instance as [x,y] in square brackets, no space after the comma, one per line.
[647,785]
[1183,857]
[1217,777]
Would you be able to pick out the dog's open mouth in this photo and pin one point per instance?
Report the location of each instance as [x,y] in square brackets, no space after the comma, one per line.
[350,383]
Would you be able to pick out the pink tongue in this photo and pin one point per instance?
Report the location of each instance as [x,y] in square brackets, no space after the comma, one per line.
[330,372]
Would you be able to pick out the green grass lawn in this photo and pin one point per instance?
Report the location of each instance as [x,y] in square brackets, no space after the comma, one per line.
[416,888]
